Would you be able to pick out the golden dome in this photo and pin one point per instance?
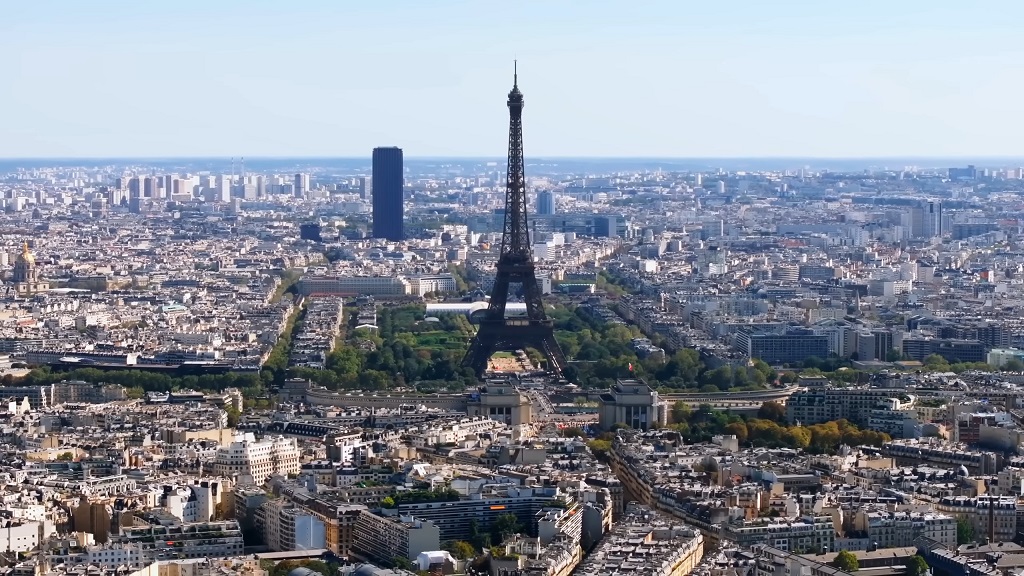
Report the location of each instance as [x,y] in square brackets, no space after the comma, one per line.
[26,255]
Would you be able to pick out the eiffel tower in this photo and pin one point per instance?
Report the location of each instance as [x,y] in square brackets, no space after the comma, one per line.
[515,266]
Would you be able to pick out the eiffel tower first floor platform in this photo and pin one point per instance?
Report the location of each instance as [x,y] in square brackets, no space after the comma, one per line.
[512,334]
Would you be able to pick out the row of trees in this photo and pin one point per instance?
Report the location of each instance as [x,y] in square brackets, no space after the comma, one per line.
[463,283]
[420,496]
[610,285]
[769,429]
[367,360]
[252,384]
[603,352]
[394,355]
[936,363]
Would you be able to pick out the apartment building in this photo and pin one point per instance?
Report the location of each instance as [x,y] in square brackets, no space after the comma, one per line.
[770,561]
[354,285]
[668,548]
[453,517]
[111,556]
[287,526]
[17,535]
[993,517]
[790,347]
[184,541]
[338,517]
[807,534]
[817,405]
[914,452]
[253,461]
[381,539]
[899,529]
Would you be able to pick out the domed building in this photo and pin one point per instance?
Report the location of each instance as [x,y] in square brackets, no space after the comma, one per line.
[26,280]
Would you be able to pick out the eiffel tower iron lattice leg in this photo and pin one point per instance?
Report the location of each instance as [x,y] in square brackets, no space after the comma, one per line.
[513,335]
[515,266]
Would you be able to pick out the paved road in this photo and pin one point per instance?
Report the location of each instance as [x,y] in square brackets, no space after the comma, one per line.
[544,412]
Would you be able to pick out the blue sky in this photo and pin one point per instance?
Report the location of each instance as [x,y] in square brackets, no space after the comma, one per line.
[669,78]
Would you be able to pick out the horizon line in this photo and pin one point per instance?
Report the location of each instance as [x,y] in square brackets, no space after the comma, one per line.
[543,156]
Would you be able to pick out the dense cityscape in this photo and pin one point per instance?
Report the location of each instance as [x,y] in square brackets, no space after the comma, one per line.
[219,367]
[408,364]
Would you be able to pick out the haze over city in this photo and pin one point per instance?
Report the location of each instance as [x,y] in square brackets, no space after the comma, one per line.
[609,79]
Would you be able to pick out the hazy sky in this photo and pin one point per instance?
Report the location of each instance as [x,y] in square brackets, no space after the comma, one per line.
[675,78]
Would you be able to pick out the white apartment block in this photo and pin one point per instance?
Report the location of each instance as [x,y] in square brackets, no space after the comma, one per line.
[253,461]
[380,539]
[110,556]
[193,502]
[421,285]
[286,526]
[18,536]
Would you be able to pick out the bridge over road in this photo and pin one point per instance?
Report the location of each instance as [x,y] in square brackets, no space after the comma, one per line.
[746,402]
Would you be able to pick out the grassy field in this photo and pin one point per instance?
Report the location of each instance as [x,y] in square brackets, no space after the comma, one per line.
[440,340]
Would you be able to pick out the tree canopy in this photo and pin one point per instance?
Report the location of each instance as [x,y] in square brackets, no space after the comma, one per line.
[461,549]
[702,424]
[915,565]
[846,561]
[964,531]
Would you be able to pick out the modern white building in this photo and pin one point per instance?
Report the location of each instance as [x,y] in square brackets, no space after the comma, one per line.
[998,357]
[422,285]
[192,503]
[381,539]
[109,556]
[286,526]
[18,536]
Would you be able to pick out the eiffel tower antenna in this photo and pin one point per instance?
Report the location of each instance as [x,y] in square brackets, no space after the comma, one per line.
[515,266]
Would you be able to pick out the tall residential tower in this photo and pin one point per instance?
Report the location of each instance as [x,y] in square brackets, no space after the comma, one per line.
[545,203]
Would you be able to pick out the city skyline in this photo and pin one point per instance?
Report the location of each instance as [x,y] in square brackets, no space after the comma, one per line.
[663,80]
[535,166]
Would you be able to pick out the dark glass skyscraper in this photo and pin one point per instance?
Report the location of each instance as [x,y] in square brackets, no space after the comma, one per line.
[388,182]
